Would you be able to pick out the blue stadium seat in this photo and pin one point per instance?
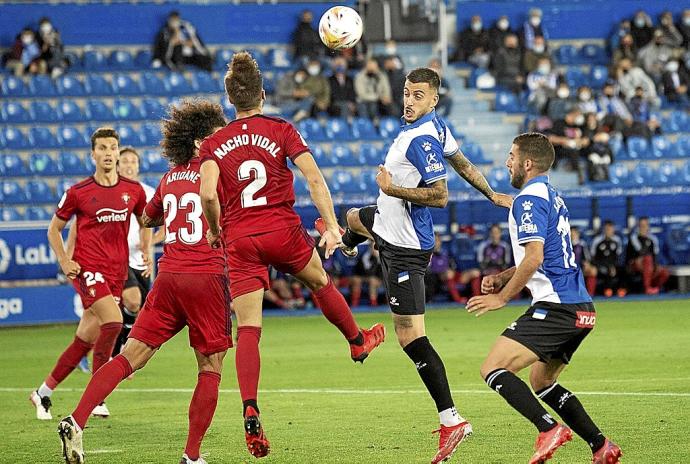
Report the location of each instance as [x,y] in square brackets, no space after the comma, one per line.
[151,84]
[678,240]
[42,164]
[70,86]
[389,127]
[12,193]
[71,164]
[75,61]
[575,77]
[123,84]
[618,148]
[94,60]
[499,179]
[13,87]
[178,85]
[258,55]
[89,163]
[343,156]
[15,139]
[126,110]
[681,119]
[11,165]
[98,110]
[154,161]
[279,58]
[300,185]
[322,158]
[598,76]
[10,214]
[152,108]
[38,191]
[343,182]
[370,155]
[367,178]
[14,113]
[63,184]
[642,174]
[223,57]
[43,138]
[455,182]
[96,84]
[593,54]
[566,54]
[667,174]
[661,147]
[619,175]
[338,129]
[42,86]
[203,82]
[638,148]
[120,60]
[681,148]
[151,134]
[228,108]
[69,111]
[143,59]
[42,111]
[311,130]
[364,129]
[153,180]
[473,152]
[129,136]
[685,172]
[507,101]
[36,213]
[71,137]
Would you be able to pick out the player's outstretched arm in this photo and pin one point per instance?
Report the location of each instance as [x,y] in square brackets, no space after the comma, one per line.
[476,179]
[210,204]
[149,222]
[435,195]
[69,267]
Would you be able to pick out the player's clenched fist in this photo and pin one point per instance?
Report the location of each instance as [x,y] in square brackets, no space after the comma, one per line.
[71,268]
[490,284]
[384,179]
[213,239]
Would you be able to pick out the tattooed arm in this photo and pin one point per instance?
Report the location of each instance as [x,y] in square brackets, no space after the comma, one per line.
[476,179]
[436,195]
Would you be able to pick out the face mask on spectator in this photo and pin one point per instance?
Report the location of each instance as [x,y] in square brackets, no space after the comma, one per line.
[686,20]
[579,120]
[391,50]
[640,21]
[27,39]
[313,70]
[174,23]
[585,96]
[539,48]
[535,21]
[46,28]
[340,68]
[544,68]
[563,92]
[476,26]
[299,78]
[672,66]
[503,24]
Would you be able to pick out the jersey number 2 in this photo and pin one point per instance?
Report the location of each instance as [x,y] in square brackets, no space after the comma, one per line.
[259,182]
[189,235]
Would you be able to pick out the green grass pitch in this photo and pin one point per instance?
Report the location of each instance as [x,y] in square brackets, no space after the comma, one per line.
[632,374]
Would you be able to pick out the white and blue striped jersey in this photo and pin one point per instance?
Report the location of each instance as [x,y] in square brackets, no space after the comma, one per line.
[540,214]
[414,160]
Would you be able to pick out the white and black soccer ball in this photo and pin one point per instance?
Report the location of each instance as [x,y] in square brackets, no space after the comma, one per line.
[340,27]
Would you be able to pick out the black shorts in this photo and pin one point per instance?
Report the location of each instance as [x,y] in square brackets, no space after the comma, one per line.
[403,270]
[135,278]
[552,330]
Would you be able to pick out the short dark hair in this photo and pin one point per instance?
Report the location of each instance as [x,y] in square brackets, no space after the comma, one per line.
[103,133]
[186,122]
[243,82]
[536,147]
[574,229]
[642,218]
[609,222]
[427,75]
[130,149]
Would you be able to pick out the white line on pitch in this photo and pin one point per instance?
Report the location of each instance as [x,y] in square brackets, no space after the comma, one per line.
[333,391]
[104,451]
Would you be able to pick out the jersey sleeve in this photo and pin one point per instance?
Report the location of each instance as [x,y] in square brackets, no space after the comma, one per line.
[205,152]
[154,208]
[293,143]
[426,154]
[67,205]
[531,213]
[450,145]
[141,202]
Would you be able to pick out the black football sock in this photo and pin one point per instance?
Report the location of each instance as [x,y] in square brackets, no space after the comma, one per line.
[430,368]
[128,319]
[249,403]
[352,239]
[573,413]
[520,397]
[358,340]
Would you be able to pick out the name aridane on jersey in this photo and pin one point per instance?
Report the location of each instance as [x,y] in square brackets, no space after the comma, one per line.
[414,160]
[240,140]
[190,176]
[540,214]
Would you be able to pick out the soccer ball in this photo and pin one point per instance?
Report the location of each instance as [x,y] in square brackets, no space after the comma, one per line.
[340,27]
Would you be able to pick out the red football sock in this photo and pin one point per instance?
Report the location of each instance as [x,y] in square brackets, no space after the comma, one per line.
[453,290]
[356,295]
[201,410]
[67,361]
[661,276]
[591,282]
[476,286]
[103,347]
[102,384]
[248,361]
[336,310]
[647,271]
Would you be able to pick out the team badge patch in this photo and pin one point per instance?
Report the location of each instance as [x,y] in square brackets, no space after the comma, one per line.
[125,197]
[403,276]
[540,314]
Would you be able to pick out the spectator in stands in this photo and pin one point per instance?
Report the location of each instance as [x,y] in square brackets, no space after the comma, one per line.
[684,27]
[626,49]
[507,65]
[534,56]
[642,256]
[645,123]
[532,28]
[613,112]
[498,33]
[606,251]
[178,44]
[599,157]
[317,85]
[583,258]
[445,97]
[560,103]
[675,82]
[671,36]
[493,254]
[621,31]
[373,91]
[541,84]
[281,292]
[568,141]
[293,96]
[641,29]
[396,77]
[25,55]
[585,100]
[342,90]
[306,40]
[52,50]
[630,77]
[390,50]
[653,56]
[356,56]
[368,268]
[441,273]
[473,44]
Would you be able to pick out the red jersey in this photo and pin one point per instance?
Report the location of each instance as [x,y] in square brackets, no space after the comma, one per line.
[186,249]
[252,155]
[103,216]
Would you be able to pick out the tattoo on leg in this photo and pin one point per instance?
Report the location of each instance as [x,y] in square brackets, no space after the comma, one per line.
[403,322]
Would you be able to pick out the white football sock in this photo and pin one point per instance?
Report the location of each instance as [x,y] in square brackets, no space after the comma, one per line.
[450,417]
[43,390]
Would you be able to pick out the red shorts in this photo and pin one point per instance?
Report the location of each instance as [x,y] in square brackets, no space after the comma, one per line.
[287,250]
[198,301]
[92,286]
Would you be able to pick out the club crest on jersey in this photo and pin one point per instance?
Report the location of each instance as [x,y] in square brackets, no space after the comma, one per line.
[92,292]
[426,146]
[125,197]
[585,319]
